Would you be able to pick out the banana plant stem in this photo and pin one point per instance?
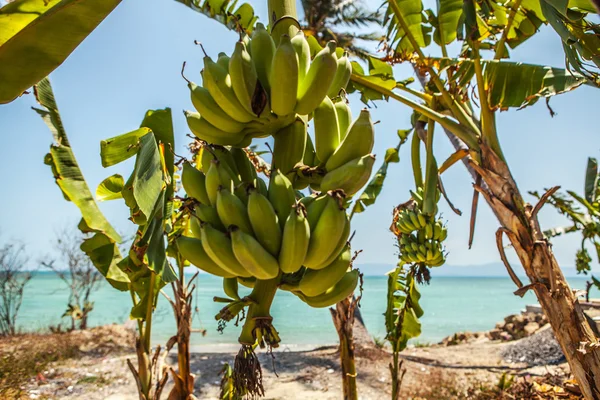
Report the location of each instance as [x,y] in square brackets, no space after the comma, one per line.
[423,96]
[488,118]
[416,160]
[465,135]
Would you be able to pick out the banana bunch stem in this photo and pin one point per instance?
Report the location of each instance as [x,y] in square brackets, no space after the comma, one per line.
[278,9]
[258,321]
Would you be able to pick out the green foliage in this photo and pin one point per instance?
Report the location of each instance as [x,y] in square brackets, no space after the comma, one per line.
[36,36]
[403,310]
[402,16]
[226,12]
[101,245]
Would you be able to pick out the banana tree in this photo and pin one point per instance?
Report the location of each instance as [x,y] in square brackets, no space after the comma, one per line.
[149,192]
[490,28]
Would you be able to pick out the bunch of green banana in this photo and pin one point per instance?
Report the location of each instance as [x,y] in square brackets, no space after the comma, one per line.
[415,250]
[250,230]
[261,88]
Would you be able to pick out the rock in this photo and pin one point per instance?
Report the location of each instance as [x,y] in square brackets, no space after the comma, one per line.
[531,328]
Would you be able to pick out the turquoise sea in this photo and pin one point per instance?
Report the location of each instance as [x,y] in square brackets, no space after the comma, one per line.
[450,305]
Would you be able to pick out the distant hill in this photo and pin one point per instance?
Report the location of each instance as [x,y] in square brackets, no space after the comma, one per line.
[483,270]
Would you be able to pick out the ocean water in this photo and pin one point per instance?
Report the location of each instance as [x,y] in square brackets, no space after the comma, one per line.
[450,305]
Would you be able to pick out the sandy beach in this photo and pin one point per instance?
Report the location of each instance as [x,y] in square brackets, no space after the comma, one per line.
[462,371]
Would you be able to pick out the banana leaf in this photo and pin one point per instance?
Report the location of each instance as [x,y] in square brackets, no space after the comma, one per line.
[110,188]
[448,21]
[101,247]
[403,310]
[514,84]
[580,37]
[380,73]
[225,11]
[591,180]
[412,14]
[36,36]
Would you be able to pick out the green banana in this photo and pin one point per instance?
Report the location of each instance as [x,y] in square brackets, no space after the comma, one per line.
[315,85]
[325,235]
[315,209]
[258,261]
[248,282]
[230,287]
[344,114]
[209,214]
[223,61]
[334,294]
[243,76]
[309,153]
[284,72]
[341,77]
[224,156]
[289,146]
[350,177]
[219,248]
[203,158]
[193,182]
[327,134]
[217,176]
[232,211]
[314,283]
[243,164]
[218,82]
[261,186]
[339,247]
[296,237]
[264,222]
[191,249]
[203,130]
[358,142]
[281,195]
[263,48]
[303,52]
[210,110]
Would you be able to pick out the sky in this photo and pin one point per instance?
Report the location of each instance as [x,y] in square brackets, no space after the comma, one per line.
[132,62]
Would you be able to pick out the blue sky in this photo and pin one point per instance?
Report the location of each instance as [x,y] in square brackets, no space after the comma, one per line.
[131,63]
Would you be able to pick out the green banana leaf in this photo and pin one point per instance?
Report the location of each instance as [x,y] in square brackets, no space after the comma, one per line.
[403,310]
[102,246]
[36,36]
[147,192]
[447,27]
[110,188]
[380,73]
[412,14]
[225,11]
[591,180]
[373,189]
[514,84]
[580,37]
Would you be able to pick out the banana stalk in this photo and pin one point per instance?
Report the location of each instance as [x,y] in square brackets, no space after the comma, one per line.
[431,176]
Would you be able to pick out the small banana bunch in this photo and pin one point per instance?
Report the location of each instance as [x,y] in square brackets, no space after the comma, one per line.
[264,237]
[262,87]
[420,236]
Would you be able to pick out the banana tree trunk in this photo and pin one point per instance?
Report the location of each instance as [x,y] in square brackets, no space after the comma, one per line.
[343,319]
[519,222]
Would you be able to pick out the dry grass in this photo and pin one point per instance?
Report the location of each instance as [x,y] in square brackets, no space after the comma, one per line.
[25,357]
